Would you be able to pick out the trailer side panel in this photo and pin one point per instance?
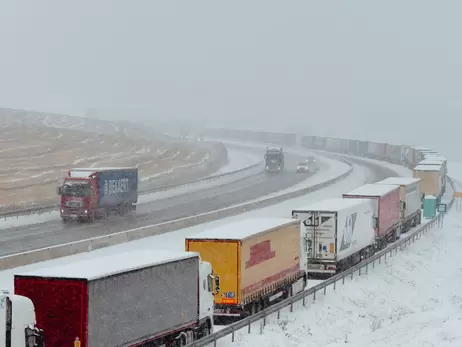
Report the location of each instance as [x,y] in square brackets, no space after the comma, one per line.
[143,303]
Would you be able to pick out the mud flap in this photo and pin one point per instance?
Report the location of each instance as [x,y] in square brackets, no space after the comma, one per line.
[298,286]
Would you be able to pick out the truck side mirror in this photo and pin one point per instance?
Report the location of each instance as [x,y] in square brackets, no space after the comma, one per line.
[210,283]
[217,284]
[404,205]
[59,190]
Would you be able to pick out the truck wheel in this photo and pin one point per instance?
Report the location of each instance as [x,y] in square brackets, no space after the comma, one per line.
[91,217]
[206,330]
[181,341]
[65,220]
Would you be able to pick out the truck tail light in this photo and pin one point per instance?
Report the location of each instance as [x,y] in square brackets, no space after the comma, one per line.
[332,248]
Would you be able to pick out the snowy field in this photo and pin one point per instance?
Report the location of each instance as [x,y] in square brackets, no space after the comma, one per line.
[36,155]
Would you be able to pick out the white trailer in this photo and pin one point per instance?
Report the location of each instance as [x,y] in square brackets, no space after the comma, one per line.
[333,144]
[377,150]
[336,234]
[411,200]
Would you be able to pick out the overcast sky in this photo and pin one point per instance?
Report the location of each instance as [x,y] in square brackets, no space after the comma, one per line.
[339,68]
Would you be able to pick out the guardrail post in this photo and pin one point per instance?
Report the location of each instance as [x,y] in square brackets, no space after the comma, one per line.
[249,327]
[304,297]
[367,269]
[335,284]
[232,335]
[314,295]
[325,290]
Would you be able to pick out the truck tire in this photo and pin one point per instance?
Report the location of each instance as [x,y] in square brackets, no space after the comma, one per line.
[122,209]
[65,220]
[206,330]
[91,218]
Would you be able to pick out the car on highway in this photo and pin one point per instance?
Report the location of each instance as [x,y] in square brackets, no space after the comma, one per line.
[309,165]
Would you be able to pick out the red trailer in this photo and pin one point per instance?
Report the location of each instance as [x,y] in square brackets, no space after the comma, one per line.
[138,298]
[387,212]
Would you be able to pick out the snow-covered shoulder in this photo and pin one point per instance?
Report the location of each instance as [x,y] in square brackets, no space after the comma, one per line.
[412,299]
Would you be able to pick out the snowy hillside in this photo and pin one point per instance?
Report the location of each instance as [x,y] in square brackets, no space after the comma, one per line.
[413,299]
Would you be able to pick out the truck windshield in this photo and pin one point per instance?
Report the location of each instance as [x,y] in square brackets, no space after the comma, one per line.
[273,155]
[76,188]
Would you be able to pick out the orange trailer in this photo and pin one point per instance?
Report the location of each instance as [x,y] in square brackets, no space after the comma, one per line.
[256,261]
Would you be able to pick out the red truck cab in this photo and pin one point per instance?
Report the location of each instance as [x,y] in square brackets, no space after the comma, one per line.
[78,197]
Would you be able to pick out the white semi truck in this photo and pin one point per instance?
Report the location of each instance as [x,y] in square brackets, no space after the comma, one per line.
[336,234]
[18,322]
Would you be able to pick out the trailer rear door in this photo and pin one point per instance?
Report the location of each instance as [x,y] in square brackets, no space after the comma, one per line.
[320,235]
[224,257]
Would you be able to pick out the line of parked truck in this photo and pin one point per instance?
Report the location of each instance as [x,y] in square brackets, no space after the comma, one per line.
[162,298]
[427,164]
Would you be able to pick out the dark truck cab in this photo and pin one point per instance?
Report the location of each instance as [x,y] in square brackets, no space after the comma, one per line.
[274,160]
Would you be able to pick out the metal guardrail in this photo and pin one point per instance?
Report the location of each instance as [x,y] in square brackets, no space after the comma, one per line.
[87,245]
[54,207]
[361,269]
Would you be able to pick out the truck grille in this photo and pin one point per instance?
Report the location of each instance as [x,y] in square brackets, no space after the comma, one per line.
[73,204]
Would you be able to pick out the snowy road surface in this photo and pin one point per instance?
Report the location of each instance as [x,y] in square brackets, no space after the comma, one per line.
[53,232]
[175,240]
[239,158]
